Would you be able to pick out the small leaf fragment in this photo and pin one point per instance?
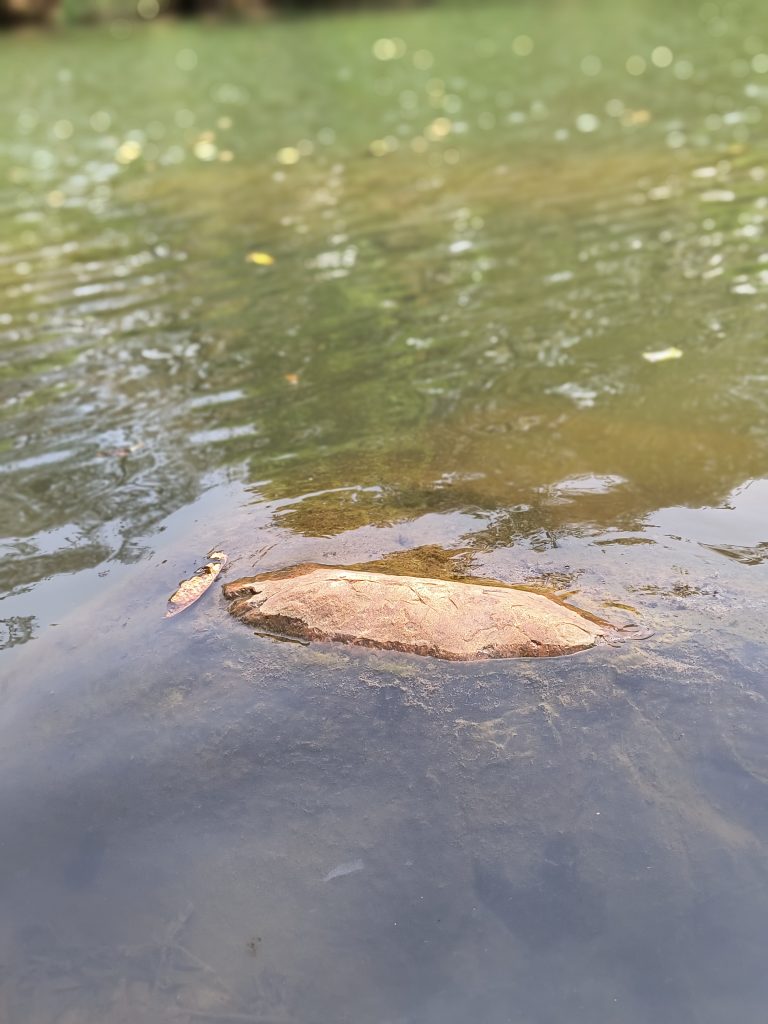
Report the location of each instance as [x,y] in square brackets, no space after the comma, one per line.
[261,259]
[192,589]
[291,378]
[662,355]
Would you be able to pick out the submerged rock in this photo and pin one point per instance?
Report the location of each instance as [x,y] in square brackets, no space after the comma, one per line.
[442,618]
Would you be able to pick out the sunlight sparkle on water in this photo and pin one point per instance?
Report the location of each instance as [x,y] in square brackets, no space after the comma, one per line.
[288,155]
[662,57]
[636,65]
[522,46]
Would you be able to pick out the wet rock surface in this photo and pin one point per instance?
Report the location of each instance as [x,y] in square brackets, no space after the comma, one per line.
[457,621]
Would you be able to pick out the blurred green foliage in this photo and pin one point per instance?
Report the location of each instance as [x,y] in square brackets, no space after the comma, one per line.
[14,12]
[86,10]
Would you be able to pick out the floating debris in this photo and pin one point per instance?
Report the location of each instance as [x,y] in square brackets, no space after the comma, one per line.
[291,378]
[344,869]
[260,259]
[192,589]
[663,355]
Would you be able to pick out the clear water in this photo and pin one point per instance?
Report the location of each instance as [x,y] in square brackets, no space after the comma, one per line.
[474,246]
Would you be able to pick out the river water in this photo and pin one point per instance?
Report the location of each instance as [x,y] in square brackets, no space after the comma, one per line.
[473,227]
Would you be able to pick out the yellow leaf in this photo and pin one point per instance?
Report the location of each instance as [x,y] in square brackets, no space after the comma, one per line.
[192,589]
[261,259]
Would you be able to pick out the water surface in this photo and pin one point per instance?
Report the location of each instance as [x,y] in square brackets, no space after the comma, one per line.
[474,244]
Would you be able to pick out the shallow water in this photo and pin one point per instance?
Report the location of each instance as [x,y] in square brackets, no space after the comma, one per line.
[474,245]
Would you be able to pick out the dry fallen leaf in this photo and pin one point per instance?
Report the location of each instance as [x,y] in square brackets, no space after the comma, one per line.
[261,259]
[190,590]
[291,378]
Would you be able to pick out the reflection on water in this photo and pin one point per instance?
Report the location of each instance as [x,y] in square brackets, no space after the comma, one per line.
[475,224]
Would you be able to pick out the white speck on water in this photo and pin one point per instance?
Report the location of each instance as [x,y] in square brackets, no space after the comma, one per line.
[463,245]
[186,60]
[718,195]
[34,461]
[662,57]
[614,108]
[522,46]
[591,65]
[335,262]
[744,288]
[583,397]
[221,434]
[587,123]
[595,484]
[635,65]
[348,868]
[676,139]
[683,70]
[386,49]
[63,129]
[705,172]
[218,398]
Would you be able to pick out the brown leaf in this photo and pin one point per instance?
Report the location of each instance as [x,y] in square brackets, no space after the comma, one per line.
[192,589]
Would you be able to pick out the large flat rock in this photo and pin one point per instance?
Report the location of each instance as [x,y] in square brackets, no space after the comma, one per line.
[441,618]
